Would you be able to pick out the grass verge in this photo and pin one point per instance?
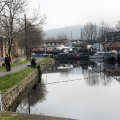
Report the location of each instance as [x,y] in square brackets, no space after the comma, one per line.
[11,117]
[8,81]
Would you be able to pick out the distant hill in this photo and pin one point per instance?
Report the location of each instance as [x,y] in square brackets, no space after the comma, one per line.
[73,31]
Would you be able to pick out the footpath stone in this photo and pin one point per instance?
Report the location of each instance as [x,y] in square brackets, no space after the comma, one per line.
[17,68]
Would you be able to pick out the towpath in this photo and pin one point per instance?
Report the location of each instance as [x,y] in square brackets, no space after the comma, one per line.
[17,68]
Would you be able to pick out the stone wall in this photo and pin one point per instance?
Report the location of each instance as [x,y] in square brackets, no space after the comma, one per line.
[11,98]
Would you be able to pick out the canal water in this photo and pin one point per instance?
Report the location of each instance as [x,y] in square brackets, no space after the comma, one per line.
[83,90]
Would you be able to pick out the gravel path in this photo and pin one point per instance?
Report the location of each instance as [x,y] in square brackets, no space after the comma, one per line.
[16,68]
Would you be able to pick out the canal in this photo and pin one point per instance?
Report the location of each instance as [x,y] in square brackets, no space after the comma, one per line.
[83,90]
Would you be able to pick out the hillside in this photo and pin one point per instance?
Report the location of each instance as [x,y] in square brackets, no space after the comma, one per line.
[70,32]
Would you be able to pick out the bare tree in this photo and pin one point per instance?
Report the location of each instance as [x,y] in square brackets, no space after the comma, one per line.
[2,5]
[89,32]
[30,36]
[9,14]
[118,26]
[105,31]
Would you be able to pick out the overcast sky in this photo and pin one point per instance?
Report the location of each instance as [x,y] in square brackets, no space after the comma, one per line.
[61,13]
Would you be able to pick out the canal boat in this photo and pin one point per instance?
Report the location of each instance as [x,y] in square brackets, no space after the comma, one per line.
[82,55]
[98,55]
[71,56]
[110,57]
[65,67]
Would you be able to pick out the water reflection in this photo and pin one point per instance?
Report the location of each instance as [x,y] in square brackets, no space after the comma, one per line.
[103,74]
[93,96]
[97,73]
[35,95]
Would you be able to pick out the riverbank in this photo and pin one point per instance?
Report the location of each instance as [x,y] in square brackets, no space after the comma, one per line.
[16,63]
[14,116]
[13,86]
[8,81]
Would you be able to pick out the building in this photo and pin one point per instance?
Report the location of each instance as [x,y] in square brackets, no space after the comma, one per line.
[50,43]
[98,47]
[112,46]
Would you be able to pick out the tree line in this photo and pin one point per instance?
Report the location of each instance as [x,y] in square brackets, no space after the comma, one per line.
[100,33]
[17,27]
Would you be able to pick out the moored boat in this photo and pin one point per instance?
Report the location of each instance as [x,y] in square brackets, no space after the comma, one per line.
[110,57]
[71,56]
[65,66]
[98,55]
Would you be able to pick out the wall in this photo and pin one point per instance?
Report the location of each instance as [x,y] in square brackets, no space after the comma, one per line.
[12,97]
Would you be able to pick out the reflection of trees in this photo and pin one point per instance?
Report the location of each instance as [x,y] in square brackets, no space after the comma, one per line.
[93,78]
[97,78]
[106,80]
[112,71]
[118,79]
[84,66]
[35,95]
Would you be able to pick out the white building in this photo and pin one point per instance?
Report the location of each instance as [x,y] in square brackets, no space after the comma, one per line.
[98,46]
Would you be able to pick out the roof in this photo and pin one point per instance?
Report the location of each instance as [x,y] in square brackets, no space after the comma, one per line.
[55,41]
[112,45]
[115,45]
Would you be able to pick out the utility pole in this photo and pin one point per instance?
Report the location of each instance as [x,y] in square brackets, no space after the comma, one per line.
[81,35]
[71,38]
[26,46]
[71,35]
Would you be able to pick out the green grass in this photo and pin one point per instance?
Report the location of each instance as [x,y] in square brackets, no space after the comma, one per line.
[11,117]
[46,60]
[3,69]
[20,62]
[14,64]
[8,81]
